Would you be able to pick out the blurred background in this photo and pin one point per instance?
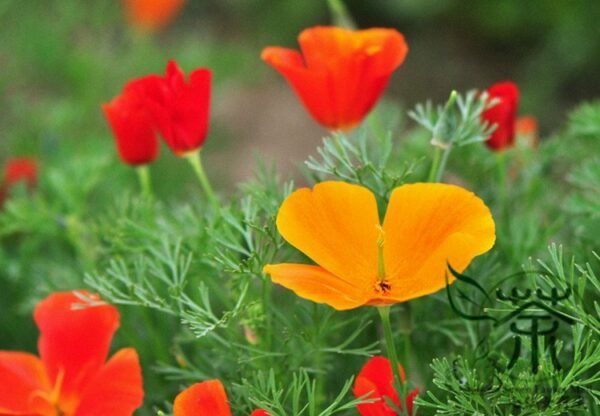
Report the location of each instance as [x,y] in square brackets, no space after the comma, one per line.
[61,59]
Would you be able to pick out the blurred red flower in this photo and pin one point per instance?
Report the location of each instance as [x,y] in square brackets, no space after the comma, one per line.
[180,109]
[151,15]
[21,169]
[376,381]
[503,115]
[18,170]
[72,376]
[339,74]
[132,128]
[206,398]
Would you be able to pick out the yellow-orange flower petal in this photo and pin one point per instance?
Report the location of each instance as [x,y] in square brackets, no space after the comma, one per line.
[336,224]
[317,284]
[426,226]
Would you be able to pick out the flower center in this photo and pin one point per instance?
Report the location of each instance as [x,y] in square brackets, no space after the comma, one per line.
[383,287]
[53,396]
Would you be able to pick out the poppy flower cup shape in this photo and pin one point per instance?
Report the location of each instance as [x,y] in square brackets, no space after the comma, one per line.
[503,115]
[361,262]
[127,115]
[72,376]
[151,15]
[205,399]
[179,107]
[339,74]
[376,381]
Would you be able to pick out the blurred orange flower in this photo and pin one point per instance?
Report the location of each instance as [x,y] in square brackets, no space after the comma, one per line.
[151,15]
[526,128]
[377,381]
[72,376]
[206,398]
[339,74]
[359,261]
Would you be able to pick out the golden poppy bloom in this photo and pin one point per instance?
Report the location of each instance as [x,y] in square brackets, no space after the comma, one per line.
[151,15]
[339,74]
[361,262]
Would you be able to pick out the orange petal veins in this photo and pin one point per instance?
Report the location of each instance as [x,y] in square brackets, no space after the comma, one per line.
[317,284]
[427,226]
[22,378]
[336,224]
[202,399]
[74,340]
[117,388]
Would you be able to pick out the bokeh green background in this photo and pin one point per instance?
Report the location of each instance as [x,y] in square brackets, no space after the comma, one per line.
[62,58]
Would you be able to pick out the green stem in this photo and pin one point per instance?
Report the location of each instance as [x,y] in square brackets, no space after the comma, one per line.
[442,169]
[318,357]
[442,142]
[340,15]
[196,161]
[435,165]
[144,176]
[502,185]
[384,313]
[266,295]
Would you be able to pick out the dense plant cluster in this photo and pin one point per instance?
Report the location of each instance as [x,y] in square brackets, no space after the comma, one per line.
[282,296]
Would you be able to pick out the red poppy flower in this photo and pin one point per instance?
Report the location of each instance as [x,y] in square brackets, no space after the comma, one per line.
[503,114]
[377,382]
[206,398]
[151,15]
[180,109]
[72,376]
[20,170]
[132,128]
[339,74]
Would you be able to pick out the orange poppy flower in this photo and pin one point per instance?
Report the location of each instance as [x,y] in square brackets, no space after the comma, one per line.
[377,380]
[340,74]
[361,262]
[72,376]
[152,15]
[205,399]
